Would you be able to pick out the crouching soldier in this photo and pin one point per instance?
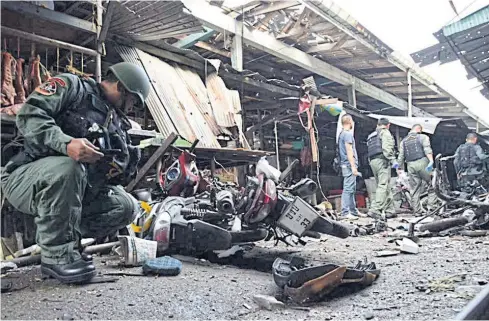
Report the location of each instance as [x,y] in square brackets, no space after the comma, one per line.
[76,155]
[382,157]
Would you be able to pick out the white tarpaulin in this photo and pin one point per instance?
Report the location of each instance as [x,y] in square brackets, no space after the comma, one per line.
[429,123]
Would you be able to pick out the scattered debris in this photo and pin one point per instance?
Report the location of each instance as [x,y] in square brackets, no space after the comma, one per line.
[368,315]
[67,316]
[473,233]
[312,284]
[267,302]
[408,246]
[386,253]
[136,251]
[446,283]
[164,265]
[5,266]
[482,282]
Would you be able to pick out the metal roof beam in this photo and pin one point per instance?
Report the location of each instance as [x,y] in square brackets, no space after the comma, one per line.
[33,10]
[214,18]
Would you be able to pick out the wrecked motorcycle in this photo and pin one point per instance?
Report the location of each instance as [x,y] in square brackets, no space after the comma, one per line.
[224,215]
[470,206]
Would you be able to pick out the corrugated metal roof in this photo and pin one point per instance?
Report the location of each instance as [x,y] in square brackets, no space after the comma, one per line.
[152,20]
[474,19]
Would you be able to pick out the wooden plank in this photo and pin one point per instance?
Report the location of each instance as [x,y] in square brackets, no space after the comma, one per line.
[275,6]
[215,19]
[152,161]
[331,46]
[35,11]
[259,84]
[193,39]
[211,48]
[107,20]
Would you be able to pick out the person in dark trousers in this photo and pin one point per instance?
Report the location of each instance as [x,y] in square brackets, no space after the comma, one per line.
[470,163]
[382,157]
[417,153]
[72,185]
[349,168]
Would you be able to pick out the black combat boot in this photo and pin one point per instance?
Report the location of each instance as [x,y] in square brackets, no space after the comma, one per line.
[79,271]
[86,257]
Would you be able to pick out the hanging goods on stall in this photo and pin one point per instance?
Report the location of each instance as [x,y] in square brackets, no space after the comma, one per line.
[8,90]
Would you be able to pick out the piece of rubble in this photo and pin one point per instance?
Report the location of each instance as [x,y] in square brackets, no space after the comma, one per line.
[368,315]
[268,302]
[482,282]
[408,246]
[386,253]
[5,266]
[473,233]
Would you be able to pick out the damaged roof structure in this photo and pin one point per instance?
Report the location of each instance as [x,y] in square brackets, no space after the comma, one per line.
[262,50]
[465,40]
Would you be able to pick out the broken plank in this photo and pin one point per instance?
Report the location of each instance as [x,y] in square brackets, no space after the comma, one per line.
[276,6]
[152,161]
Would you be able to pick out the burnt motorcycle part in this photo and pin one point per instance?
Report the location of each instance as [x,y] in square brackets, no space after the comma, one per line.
[334,228]
[196,237]
[142,194]
[225,202]
[304,188]
[249,236]
[313,283]
[443,224]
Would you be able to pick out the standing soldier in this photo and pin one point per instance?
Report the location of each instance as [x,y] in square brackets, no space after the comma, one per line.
[470,163]
[382,157]
[417,153]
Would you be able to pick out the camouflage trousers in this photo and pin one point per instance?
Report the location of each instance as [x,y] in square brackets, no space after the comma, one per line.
[54,190]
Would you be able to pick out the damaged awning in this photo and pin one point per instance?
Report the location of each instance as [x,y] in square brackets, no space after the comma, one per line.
[429,124]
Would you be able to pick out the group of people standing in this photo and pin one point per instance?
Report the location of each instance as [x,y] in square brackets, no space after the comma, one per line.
[415,153]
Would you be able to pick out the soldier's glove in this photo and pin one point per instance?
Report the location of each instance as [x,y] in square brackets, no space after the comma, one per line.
[395,165]
[429,168]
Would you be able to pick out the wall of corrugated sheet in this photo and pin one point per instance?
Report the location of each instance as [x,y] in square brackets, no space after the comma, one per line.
[179,100]
[160,115]
[221,100]
[198,91]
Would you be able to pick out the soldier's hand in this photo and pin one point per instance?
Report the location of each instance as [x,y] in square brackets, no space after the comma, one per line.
[81,150]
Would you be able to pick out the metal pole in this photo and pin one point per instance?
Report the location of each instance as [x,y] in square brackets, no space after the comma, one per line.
[410,94]
[47,41]
[477,126]
[277,156]
[98,57]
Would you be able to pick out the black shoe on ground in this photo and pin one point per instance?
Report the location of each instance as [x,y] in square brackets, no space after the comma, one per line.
[79,271]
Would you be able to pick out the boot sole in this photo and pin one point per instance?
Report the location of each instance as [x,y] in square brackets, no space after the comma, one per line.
[79,278]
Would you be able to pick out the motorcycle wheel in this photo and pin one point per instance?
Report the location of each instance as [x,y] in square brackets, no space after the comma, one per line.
[326,226]
[248,236]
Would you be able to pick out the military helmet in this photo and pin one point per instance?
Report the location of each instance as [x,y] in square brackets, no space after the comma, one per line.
[133,78]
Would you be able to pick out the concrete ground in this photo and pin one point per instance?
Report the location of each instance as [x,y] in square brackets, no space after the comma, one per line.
[209,291]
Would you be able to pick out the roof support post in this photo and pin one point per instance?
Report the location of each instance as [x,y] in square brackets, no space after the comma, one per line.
[352,97]
[98,58]
[237,52]
[410,94]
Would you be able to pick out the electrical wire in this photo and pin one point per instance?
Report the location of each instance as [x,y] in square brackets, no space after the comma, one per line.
[316,132]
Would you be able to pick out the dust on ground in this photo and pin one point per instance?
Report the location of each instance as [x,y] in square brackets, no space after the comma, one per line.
[210,291]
